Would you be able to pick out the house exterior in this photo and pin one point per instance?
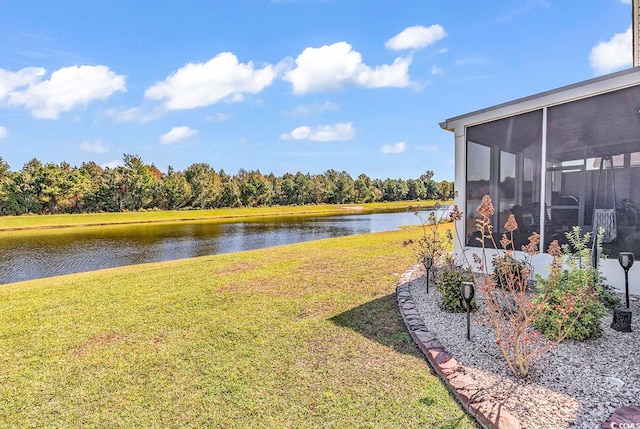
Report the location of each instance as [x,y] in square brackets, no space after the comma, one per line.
[562,158]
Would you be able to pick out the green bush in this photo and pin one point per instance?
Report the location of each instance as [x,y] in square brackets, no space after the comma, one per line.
[583,284]
[508,270]
[450,276]
[608,297]
[585,314]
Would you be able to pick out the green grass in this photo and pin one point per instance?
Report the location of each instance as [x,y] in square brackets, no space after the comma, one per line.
[236,214]
[306,335]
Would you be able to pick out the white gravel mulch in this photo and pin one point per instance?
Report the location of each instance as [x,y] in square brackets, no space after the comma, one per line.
[575,385]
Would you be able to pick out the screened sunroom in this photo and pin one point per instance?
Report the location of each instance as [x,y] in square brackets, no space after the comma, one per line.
[558,159]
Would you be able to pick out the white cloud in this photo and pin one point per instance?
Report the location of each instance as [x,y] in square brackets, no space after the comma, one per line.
[204,84]
[615,54]
[436,70]
[331,66]
[626,1]
[310,109]
[176,134]
[112,164]
[416,37]
[67,88]
[218,117]
[3,132]
[94,147]
[135,114]
[11,80]
[324,133]
[394,148]
[385,76]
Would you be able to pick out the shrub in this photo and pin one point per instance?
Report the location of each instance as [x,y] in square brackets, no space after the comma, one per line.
[450,275]
[608,297]
[576,295]
[586,311]
[512,310]
[508,269]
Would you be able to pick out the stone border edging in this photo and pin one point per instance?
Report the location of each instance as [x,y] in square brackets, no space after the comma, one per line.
[487,412]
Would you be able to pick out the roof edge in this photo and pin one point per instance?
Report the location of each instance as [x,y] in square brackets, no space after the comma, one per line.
[446,125]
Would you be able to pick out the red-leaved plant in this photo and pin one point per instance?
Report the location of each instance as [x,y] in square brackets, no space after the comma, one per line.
[509,307]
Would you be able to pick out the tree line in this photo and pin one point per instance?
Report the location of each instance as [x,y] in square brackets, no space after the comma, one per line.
[60,188]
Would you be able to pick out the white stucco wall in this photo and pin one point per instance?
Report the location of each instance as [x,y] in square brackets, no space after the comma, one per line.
[610,268]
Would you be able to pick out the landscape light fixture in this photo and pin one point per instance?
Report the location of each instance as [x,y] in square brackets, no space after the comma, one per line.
[626,261]
[467,292]
[428,263]
[622,316]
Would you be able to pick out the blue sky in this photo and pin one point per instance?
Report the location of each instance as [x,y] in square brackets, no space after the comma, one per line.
[287,85]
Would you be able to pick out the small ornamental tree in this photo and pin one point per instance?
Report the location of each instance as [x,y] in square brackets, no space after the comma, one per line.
[447,271]
[434,242]
[509,308]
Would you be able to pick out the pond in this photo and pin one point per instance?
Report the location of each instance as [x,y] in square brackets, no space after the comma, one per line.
[49,253]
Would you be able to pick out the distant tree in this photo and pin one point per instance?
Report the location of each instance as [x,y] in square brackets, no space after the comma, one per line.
[93,174]
[53,184]
[155,172]
[305,186]
[378,185]
[444,190]
[344,190]
[29,186]
[230,192]
[431,189]
[172,191]
[8,202]
[395,190]
[430,185]
[417,191]
[255,190]
[286,190]
[111,191]
[322,188]
[365,189]
[205,185]
[77,185]
[331,196]
[137,182]
[52,188]
[427,176]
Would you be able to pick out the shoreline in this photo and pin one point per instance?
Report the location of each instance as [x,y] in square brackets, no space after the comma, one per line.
[227,216]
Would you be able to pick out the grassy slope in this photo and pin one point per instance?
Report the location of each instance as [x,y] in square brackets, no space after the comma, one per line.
[306,335]
[65,220]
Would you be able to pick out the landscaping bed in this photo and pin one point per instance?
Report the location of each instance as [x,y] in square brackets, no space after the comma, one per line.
[576,384]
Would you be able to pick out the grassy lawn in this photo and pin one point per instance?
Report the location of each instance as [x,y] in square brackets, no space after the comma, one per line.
[306,335]
[237,214]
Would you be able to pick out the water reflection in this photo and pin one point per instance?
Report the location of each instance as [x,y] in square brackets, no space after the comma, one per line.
[51,253]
